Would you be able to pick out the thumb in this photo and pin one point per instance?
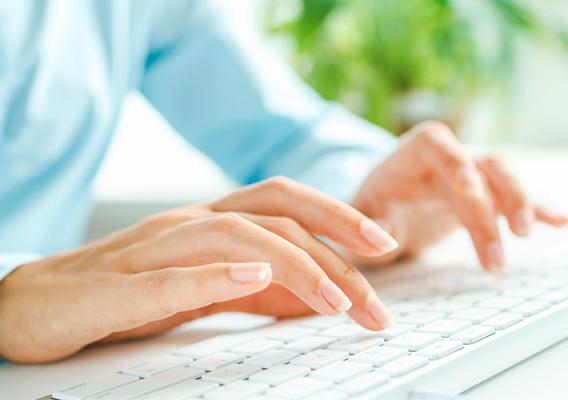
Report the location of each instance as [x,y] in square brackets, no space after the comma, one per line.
[158,294]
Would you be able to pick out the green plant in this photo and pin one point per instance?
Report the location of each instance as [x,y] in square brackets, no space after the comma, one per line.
[372,54]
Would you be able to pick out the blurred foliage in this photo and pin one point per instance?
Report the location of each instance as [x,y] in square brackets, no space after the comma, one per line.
[372,54]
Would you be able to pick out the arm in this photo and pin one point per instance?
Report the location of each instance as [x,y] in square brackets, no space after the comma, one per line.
[221,89]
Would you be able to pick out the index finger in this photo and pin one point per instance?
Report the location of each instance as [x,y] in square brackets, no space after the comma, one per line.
[315,211]
[462,183]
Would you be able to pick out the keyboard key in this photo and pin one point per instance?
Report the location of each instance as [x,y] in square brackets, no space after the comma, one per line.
[153,367]
[414,341]
[473,334]
[290,333]
[320,358]
[341,371]
[524,292]
[89,388]
[182,390]
[329,395]
[342,331]
[209,346]
[477,295]
[379,356]
[143,386]
[256,346]
[404,365]
[358,343]
[475,315]
[555,296]
[420,318]
[299,388]
[236,390]
[217,360]
[547,283]
[445,327]
[363,383]
[257,397]
[271,358]
[448,306]
[530,308]
[503,320]
[308,344]
[406,307]
[397,330]
[323,322]
[231,373]
[440,349]
[499,303]
[280,374]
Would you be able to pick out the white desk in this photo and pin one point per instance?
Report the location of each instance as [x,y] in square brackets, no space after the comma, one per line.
[541,376]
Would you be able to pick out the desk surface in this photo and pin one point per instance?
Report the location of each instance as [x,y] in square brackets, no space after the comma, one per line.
[541,376]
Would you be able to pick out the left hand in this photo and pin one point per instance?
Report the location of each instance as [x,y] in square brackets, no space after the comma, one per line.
[430,186]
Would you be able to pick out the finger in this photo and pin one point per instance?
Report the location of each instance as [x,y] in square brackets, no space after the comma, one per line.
[512,199]
[317,212]
[464,187]
[367,308]
[155,295]
[551,217]
[230,237]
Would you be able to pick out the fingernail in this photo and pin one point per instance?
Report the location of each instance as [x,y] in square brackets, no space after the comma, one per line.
[381,240]
[524,221]
[250,272]
[495,257]
[385,225]
[379,312]
[334,296]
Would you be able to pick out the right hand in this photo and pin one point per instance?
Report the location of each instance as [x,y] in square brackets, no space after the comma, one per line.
[192,261]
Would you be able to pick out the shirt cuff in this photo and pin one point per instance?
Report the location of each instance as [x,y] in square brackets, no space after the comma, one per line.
[336,154]
[11,261]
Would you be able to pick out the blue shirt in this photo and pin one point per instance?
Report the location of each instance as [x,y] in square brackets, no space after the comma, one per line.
[66,67]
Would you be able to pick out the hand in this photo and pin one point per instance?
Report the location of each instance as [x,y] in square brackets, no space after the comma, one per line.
[193,261]
[430,186]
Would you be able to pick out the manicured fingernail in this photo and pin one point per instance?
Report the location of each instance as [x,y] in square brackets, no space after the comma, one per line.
[334,296]
[495,257]
[379,312]
[377,237]
[250,272]
[386,225]
[524,220]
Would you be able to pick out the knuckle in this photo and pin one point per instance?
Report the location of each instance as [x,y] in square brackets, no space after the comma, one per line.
[283,225]
[299,260]
[160,221]
[279,183]
[434,129]
[349,272]
[227,222]
[155,286]
[494,162]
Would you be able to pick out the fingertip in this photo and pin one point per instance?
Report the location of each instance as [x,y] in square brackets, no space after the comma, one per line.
[379,312]
[494,257]
[522,222]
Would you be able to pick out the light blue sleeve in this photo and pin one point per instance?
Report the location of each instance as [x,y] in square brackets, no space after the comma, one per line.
[219,86]
[11,261]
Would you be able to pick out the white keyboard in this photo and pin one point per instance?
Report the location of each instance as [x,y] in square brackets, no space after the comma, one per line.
[456,327]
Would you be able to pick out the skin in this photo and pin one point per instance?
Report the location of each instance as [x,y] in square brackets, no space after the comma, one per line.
[246,251]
